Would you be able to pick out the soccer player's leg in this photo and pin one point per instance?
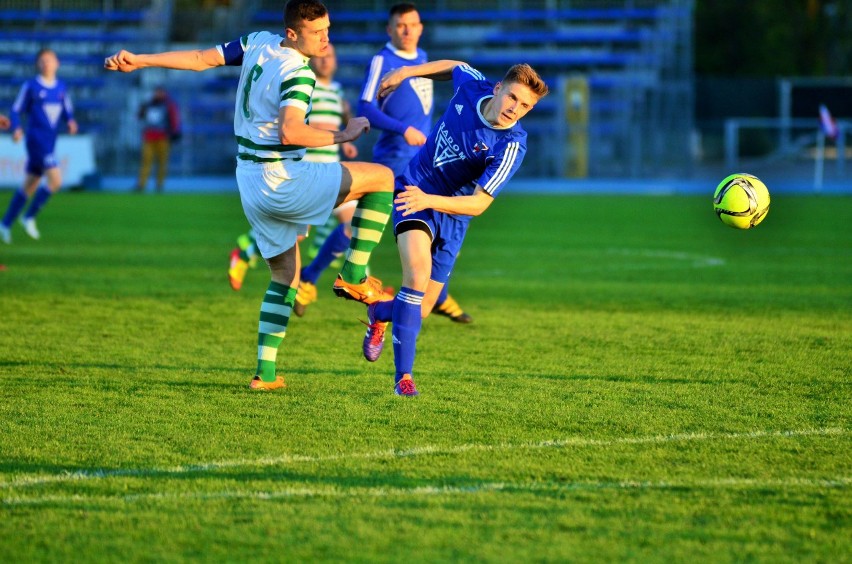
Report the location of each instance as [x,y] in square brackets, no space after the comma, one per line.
[372,185]
[40,199]
[414,241]
[274,316]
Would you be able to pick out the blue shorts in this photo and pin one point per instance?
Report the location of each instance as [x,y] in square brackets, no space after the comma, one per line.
[39,158]
[446,231]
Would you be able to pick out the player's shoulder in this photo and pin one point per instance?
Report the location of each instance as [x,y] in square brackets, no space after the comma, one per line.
[260,38]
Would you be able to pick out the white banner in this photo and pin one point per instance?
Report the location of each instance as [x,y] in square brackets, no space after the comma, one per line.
[74,153]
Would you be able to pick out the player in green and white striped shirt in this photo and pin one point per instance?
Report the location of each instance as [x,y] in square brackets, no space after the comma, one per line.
[282,193]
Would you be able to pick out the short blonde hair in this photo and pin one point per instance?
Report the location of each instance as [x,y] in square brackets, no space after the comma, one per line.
[526,75]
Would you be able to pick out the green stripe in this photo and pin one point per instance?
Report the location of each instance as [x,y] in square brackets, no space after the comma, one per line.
[377,201]
[275,319]
[296,95]
[258,147]
[316,112]
[256,159]
[299,80]
[362,223]
[323,151]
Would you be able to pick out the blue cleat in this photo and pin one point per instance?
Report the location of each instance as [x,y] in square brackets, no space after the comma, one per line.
[374,339]
[405,386]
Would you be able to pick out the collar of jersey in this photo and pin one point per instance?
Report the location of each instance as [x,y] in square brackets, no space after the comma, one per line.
[485,121]
[399,53]
[40,79]
[298,53]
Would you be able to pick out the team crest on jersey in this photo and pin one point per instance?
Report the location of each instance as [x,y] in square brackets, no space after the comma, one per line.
[423,88]
[480,146]
[446,150]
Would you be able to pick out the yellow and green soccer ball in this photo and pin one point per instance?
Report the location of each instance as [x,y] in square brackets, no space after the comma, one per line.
[741,201]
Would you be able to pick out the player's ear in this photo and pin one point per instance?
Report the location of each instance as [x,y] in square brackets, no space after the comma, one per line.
[291,34]
[497,88]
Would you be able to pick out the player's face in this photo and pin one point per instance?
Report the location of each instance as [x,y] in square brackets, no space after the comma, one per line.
[325,67]
[47,63]
[405,30]
[511,102]
[311,39]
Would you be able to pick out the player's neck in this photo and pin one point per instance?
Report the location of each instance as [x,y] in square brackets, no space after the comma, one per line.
[325,81]
[47,78]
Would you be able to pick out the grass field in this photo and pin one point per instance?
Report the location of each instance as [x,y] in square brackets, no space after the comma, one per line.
[641,383]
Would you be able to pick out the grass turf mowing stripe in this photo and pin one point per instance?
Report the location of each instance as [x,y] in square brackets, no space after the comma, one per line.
[93,474]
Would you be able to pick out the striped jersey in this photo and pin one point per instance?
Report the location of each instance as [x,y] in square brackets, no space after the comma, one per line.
[271,78]
[326,113]
[410,105]
[463,149]
[45,105]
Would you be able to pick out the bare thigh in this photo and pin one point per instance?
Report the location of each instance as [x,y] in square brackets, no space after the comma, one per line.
[362,178]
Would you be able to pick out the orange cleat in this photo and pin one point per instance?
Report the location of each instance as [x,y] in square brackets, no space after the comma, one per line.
[259,385]
[237,270]
[369,291]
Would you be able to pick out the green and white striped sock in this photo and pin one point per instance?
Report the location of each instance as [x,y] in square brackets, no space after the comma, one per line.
[368,224]
[274,315]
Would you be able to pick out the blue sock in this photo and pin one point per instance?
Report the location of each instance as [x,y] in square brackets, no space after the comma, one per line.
[334,244]
[19,200]
[384,310]
[41,197]
[442,297]
[406,326]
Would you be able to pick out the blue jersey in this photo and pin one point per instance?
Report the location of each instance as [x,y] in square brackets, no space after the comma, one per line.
[46,105]
[463,149]
[410,105]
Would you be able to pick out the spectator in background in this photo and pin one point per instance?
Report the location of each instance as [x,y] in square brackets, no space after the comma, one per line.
[160,126]
[4,124]
[45,101]
[405,117]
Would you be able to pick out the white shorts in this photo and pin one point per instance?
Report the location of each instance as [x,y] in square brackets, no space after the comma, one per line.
[280,199]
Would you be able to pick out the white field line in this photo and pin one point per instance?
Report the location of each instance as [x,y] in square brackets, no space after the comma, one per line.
[291,459]
[425,491]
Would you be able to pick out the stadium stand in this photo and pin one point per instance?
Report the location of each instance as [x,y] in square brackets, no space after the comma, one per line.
[635,56]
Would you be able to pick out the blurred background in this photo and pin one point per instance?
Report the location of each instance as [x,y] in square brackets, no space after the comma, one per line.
[647,95]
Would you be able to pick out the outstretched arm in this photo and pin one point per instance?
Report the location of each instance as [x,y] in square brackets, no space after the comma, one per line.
[436,70]
[195,60]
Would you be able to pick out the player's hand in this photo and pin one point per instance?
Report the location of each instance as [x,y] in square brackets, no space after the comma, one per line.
[350,151]
[414,137]
[4,122]
[413,199]
[72,127]
[17,135]
[355,127]
[391,81]
[123,61]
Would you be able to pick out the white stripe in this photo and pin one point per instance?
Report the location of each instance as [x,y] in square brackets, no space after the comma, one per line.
[410,298]
[467,69]
[370,88]
[19,101]
[372,235]
[267,353]
[372,215]
[509,156]
[272,329]
[428,450]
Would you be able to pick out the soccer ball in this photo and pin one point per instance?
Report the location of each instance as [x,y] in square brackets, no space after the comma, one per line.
[741,201]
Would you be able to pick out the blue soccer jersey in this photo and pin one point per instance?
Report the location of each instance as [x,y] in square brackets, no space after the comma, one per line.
[410,105]
[464,150]
[46,105]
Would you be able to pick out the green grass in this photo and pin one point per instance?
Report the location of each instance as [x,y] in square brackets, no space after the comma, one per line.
[641,383]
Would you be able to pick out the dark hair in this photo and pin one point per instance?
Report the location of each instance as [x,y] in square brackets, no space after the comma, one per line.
[400,9]
[297,11]
[42,51]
